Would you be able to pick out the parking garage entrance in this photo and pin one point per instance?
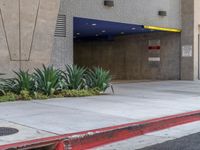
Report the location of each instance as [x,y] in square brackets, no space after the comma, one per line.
[129,51]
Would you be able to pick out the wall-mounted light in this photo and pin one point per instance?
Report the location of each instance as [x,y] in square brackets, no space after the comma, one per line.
[162,13]
[109,3]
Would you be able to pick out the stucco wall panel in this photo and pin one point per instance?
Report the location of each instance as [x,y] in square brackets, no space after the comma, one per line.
[44,34]
[6,64]
[27,31]
[28,21]
[10,15]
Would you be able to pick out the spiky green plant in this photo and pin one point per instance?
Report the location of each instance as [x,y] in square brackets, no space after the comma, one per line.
[2,85]
[2,89]
[74,77]
[22,82]
[48,80]
[98,78]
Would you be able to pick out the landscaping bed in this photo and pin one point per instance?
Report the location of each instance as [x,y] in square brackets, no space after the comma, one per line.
[49,82]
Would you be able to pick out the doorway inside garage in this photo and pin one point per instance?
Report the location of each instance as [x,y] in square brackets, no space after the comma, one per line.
[129,51]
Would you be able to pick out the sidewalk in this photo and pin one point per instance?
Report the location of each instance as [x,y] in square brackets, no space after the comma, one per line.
[132,102]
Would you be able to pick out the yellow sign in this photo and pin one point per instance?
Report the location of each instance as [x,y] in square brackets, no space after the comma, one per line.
[162,29]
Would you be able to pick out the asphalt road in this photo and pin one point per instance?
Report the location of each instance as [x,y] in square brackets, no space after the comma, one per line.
[191,142]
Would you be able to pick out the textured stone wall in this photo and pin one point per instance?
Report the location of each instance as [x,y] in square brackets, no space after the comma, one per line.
[26,33]
[127,56]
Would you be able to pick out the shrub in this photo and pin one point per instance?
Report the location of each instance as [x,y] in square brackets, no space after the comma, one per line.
[2,92]
[40,96]
[24,95]
[79,93]
[53,83]
[98,78]
[22,82]
[8,97]
[2,87]
[74,77]
[48,80]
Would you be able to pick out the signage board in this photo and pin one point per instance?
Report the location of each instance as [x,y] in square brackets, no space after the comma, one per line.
[154,45]
[187,51]
[155,59]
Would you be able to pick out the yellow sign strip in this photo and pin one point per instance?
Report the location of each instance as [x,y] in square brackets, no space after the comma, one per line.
[162,29]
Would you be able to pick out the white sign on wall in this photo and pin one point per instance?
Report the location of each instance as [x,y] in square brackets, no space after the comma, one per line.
[187,51]
[154,59]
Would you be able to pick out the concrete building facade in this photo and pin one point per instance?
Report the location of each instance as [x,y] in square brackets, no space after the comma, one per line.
[163,42]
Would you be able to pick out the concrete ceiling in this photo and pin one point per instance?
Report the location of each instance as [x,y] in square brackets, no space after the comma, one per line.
[85,28]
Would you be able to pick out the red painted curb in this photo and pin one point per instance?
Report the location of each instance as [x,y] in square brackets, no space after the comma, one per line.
[60,146]
[93,138]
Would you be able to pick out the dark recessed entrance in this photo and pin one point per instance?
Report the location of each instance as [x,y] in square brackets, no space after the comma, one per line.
[128,51]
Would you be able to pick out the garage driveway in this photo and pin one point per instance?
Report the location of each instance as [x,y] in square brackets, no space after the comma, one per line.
[131,102]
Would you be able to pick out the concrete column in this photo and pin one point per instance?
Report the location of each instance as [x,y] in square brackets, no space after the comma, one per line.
[63,46]
[196,38]
[187,39]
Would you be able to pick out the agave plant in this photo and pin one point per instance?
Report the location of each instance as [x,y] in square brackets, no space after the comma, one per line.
[2,85]
[48,80]
[74,77]
[98,78]
[22,82]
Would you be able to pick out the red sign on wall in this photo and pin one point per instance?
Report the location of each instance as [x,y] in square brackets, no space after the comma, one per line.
[154,45]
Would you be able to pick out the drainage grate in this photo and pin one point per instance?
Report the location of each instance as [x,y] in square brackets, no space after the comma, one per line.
[7,131]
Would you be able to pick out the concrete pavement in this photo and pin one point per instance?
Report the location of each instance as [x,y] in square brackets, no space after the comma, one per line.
[132,102]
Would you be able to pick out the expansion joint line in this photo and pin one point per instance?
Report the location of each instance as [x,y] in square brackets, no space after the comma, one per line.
[20,52]
[36,18]
[5,34]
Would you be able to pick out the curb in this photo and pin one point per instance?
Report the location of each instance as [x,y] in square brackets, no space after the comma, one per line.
[98,137]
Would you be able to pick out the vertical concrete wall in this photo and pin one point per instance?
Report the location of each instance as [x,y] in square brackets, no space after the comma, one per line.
[127,56]
[196,39]
[63,46]
[26,33]
[189,36]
